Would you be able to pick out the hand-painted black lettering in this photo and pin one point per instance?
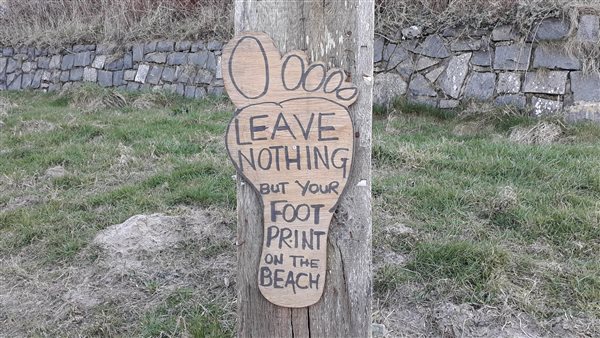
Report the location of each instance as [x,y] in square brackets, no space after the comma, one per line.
[237,134]
[323,128]
[254,129]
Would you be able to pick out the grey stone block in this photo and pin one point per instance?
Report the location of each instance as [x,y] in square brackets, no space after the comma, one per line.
[54,62]
[3,62]
[46,75]
[142,73]
[448,104]
[12,65]
[190,91]
[83,59]
[197,46]
[387,87]
[541,106]
[138,52]
[168,74]
[67,62]
[509,83]
[180,89]
[551,29]
[512,57]
[76,74]
[419,86]
[118,78]
[434,46]
[157,57]
[99,61]
[214,45]
[394,55]
[105,78]
[200,93]
[150,47]
[585,87]
[43,62]
[215,90]
[183,46]
[165,46]
[55,76]
[423,100]
[79,48]
[203,76]
[154,75]
[28,66]
[452,79]
[378,45]
[64,76]
[554,57]
[27,80]
[518,101]
[106,48]
[132,86]
[480,86]
[8,51]
[37,79]
[13,81]
[589,28]
[185,74]
[425,62]
[465,45]
[90,74]
[128,61]
[114,63]
[504,33]
[482,58]
[545,82]
[177,58]
[129,75]
[211,63]
[198,59]
[435,73]
[406,68]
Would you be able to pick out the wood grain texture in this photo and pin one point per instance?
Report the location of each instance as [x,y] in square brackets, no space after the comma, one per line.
[345,307]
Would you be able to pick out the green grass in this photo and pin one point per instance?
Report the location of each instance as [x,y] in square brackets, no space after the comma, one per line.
[471,242]
[492,221]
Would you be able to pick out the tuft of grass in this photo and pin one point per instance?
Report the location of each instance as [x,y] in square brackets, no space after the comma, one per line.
[179,315]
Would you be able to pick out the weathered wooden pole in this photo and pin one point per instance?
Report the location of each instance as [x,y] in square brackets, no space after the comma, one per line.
[339,33]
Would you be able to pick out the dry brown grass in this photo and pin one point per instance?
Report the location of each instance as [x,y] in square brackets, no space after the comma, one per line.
[60,22]
[437,15]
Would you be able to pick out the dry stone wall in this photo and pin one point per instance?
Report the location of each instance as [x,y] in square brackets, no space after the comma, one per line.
[185,67]
[533,73]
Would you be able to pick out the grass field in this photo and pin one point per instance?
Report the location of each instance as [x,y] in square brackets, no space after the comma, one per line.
[473,223]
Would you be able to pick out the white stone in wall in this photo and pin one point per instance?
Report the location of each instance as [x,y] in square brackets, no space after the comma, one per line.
[90,74]
[99,61]
[509,83]
[142,72]
[452,79]
[543,106]
[545,82]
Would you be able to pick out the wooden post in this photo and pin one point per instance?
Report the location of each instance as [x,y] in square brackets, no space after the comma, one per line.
[340,33]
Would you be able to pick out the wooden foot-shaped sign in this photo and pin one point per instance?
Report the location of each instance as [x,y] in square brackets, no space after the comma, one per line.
[292,139]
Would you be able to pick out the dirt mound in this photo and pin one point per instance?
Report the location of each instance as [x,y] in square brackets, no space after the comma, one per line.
[128,271]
